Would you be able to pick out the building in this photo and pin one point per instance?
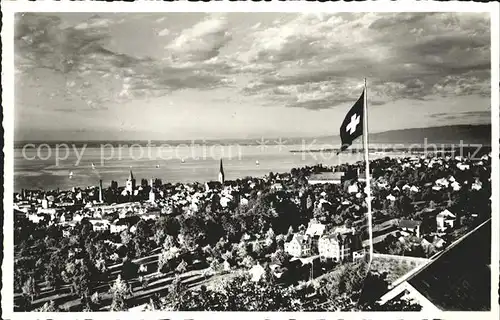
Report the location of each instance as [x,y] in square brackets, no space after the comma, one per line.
[477,185]
[45,203]
[353,188]
[101,198]
[99,224]
[335,246]
[299,246]
[314,231]
[444,220]
[152,195]
[257,272]
[37,218]
[213,185]
[390,197]
[277,186]
[118,227]
[412,226]
[130,184]
[326,178]
[151,215]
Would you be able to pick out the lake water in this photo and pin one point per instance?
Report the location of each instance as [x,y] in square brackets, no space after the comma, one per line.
[40,170]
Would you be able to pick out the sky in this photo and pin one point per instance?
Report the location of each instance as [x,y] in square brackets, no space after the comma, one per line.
[170,76]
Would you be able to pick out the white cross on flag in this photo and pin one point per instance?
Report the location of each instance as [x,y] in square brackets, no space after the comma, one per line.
[352,127]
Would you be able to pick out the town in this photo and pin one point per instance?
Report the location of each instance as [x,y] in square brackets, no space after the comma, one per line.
[299,236]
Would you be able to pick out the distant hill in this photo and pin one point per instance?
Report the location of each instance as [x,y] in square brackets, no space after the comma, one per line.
[471,134]
[446,134]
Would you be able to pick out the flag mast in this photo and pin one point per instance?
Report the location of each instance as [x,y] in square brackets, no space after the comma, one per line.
[367,172]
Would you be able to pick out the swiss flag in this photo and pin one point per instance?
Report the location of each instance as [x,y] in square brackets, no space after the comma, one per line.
[352,126]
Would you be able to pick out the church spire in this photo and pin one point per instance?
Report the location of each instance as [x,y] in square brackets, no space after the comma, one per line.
[221,173]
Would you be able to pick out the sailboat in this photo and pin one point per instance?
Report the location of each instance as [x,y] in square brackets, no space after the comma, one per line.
[71,174]
[93,166]
[257,162]
[182,161]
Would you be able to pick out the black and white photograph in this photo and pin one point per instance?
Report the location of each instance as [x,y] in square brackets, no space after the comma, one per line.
[252,161]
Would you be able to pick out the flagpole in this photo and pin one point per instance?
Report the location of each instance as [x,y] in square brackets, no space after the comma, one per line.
[367,172]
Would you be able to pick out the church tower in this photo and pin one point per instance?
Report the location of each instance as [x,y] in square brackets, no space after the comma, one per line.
[152,195]
[130,185]
[221,173]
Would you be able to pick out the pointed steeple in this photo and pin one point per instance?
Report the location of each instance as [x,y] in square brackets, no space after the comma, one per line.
[130,184]
[221,173]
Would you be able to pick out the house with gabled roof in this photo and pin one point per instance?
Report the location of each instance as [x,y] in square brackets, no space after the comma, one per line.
[335,246]
[326,178]
[412,226]
[299,246]
[444,220]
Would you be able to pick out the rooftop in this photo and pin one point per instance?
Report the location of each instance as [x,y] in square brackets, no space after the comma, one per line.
[327,176]
[458,279]
[409,223]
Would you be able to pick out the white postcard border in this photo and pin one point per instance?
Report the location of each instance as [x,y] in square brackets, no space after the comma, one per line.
[8,10]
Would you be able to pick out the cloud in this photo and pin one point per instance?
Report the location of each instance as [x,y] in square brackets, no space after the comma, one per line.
[202,41]
[94,22]
[470,116]
[311,61]
[93,72]
[41,42]
[163,32]
[415,56]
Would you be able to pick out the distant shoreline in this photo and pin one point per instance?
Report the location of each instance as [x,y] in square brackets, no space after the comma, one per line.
[199,143]
[453,134]
[446,149]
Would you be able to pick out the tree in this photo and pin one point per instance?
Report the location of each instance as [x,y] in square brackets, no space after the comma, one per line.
[394,305]
[215,266]
[242,250]
[119,291]
[244,295]
[257,249]
[346,280]
[82,281]
[182,267]
[95,298]
[30,288]
[278,257]
[270,234]
[126,237]
[129,269]
[248,262]
[203,300]
[236,294]
[159,236]
[141,238]
[169,242]
[174,296]
[47,307]
[166,260]
[53,270]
